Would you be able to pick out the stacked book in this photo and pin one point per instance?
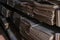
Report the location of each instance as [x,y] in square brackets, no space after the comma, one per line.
[24,29]
[45,12]
[34,31]
[48,13]
[26,7]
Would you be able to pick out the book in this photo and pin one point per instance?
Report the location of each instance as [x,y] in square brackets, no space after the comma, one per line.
[45,12]
[58,18]
[36,31]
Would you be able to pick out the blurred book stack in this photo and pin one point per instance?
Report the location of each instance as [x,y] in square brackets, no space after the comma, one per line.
[19,27]
[43,11]
[35,31]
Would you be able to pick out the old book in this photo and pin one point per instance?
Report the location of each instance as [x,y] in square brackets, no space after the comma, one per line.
[39,31]
[26,35]
[44,19]
[46,6]
[58,18]
[25,29]
[46,12]
[21,6]
[25,25]
[29,9]
[26,7]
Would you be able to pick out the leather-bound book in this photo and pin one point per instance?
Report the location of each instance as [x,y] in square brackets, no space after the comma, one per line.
[26,7]
[41,33]
[45,12]
[24,29]
[36,32]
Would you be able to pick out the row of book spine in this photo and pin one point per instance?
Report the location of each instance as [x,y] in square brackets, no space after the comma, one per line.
[27,28]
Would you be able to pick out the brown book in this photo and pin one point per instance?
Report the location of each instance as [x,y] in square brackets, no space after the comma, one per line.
[41,33]
[25,29]
[25,25]
[44,19]
[36,31]
[26,7]
[58,18]
[45,12]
